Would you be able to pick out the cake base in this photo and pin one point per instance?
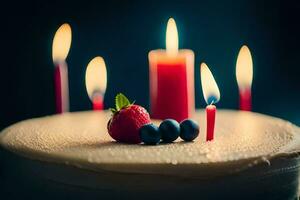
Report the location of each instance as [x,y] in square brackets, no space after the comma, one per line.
[21,177]
[70,156]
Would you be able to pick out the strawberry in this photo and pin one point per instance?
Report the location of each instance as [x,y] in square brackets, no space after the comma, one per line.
[126,121]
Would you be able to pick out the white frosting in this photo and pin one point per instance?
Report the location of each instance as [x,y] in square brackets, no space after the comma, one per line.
[80,139]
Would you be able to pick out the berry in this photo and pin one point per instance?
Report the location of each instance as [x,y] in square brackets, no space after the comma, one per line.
[126,121]
[170,130]
[189,130]
[150,134]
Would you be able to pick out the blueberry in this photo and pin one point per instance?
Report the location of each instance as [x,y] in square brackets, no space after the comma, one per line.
[150,134]
[170,130]
[189,130]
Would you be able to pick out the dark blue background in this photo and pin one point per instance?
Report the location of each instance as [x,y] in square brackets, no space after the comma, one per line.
[123,32]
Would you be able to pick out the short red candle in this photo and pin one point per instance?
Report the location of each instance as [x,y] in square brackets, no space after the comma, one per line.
[98,102]
[95,82]
[244,76]
[245,99]
[171,85]
[61,88]
[171,79]
[210,117]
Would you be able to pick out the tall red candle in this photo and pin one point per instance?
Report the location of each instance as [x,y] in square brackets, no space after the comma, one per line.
[60,49]
[58,94]
[171,79]
[96,81]
[244,76]
[211,95]
[61,88]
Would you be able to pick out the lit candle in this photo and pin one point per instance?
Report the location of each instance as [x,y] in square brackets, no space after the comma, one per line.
[96,81]
[60,49]
[211,95]
[171,79]
[244,76]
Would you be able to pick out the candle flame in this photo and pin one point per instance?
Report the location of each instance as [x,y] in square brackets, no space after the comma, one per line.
[244,68]
[210,88]
[171,38]
[61,43]
[96,77]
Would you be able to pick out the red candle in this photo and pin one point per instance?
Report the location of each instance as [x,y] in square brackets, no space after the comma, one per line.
[98,102]
[57,85]
[245,99]
[60,49]
[211,95]
[61,88]
[244,76]
[171,79]
[96,81]
[210,116]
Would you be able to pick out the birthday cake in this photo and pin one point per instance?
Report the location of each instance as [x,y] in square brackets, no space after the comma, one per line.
[127,155]
[253,156]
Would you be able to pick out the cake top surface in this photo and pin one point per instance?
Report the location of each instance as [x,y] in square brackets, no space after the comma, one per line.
[81,139]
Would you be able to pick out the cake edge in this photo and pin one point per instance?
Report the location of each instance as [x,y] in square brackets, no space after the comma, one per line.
[231,166]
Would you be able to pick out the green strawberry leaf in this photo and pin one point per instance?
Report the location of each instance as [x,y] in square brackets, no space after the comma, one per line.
[121,101]
[113,110]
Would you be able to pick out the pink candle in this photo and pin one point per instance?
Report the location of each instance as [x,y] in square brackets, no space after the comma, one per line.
[244,76]
[171,79]
[96,81]
[60,49]
[211,95]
